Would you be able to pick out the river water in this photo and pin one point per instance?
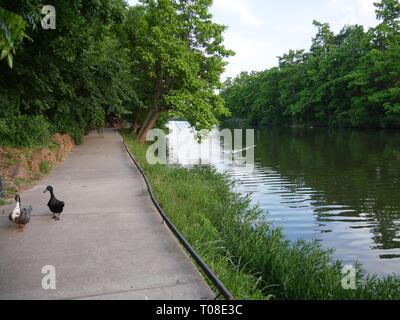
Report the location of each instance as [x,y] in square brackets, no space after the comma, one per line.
[339,187]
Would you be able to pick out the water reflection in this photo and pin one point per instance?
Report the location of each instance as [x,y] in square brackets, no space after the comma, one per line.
[340,187]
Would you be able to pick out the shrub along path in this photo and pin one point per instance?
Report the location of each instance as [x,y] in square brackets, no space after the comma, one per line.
[109,244]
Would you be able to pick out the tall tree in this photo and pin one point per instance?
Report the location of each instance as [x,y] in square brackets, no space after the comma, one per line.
[182,52]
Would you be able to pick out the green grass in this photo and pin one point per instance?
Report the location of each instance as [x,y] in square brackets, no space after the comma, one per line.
[20,182]
[251,258]
[3,202]
[45,167]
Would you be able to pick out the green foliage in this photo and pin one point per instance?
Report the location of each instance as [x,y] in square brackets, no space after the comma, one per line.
[12,32]
[181,55]
[71,76]
[105,59]
[346,79]
[24,131]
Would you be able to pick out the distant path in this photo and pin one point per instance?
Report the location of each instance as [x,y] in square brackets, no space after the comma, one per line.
[109,244]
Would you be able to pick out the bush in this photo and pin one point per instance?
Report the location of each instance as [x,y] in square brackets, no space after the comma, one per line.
[24,131]
[74,125]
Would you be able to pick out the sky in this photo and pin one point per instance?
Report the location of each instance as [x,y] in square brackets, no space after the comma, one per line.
[261,30]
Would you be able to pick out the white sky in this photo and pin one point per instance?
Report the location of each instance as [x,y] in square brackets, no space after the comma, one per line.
[260,30]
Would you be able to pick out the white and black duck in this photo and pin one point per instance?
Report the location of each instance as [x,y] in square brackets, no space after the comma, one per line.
[20,216]
[56,206]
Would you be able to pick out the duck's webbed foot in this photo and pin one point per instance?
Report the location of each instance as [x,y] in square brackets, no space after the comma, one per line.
[20,228]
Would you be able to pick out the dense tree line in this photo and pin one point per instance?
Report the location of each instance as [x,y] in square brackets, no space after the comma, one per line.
[347,79]
[161,57]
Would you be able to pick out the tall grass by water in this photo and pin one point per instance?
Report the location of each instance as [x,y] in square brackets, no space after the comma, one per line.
[252,258]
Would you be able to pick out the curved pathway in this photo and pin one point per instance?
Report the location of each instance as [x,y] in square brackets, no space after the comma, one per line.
[110,242]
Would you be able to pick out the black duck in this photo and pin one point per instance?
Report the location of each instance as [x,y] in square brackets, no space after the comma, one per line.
[56,206]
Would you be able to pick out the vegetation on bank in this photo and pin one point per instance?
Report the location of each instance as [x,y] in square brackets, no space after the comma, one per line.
[15,179]
[347,79]
[21,167]
[252,259]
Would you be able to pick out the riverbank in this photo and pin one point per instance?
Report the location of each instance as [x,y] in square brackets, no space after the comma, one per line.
[252,259]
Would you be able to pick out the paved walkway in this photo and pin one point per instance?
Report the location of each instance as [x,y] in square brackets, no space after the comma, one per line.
[109,244]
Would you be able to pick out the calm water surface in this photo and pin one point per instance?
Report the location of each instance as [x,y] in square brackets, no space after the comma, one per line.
[340,187]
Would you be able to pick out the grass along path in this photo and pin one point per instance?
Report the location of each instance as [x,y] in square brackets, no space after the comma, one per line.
[250,257]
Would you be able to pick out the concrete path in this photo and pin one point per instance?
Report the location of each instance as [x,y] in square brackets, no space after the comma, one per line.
[109,244]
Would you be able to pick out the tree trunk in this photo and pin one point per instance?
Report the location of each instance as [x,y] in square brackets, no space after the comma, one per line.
[135,125]
[145,122]
[154,113]
[132,128]
[150,124]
